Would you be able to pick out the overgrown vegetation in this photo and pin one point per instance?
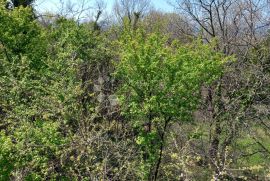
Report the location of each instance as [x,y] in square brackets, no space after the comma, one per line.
[148,97]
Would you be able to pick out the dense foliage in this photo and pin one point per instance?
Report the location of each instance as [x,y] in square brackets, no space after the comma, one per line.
[128,102]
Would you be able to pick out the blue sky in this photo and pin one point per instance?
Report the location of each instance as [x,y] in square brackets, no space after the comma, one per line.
[51,5]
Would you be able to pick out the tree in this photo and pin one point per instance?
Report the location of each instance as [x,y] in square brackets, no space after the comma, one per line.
[238,25]
[171,24]
[24,98]
[132,10]
[41,87]
[161,85]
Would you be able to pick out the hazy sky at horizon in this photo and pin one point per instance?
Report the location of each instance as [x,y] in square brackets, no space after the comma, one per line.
[53,5]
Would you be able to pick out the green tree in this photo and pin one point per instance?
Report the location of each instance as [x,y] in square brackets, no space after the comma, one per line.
[40,87]
[46,84]
[160,85]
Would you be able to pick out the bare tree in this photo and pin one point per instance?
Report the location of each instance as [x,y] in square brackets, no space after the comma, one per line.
[133,10]
[235,23]
[238,25]
[77,11]
[171,24]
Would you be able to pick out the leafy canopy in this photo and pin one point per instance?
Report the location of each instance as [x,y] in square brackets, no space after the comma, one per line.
[164,78]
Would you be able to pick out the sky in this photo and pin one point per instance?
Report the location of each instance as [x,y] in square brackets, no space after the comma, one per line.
[51,5]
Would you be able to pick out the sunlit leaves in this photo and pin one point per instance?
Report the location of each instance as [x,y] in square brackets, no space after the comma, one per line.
[164,79]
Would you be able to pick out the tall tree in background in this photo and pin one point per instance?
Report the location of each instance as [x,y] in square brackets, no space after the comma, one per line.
[132,10]
[237,24]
